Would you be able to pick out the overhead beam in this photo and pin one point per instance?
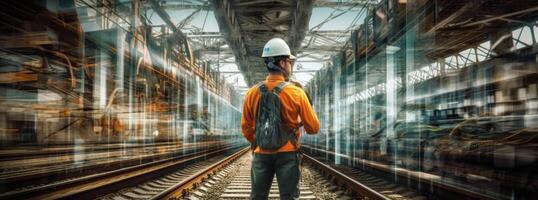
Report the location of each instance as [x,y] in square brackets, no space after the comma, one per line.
[184,6]
[317,3]
[324,48]
[274,8]
[500,17]
[253,2]
[452,17]
[176,32]
[334,4]
[225,14]
[330,33]
[299,25]
[165,17]
[204,35]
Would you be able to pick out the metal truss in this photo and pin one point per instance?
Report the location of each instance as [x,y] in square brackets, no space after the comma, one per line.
[325,41]
[247,25]
[427,72]
[525,36]
[446,65]
[323,45]
[457,27]
[200,4]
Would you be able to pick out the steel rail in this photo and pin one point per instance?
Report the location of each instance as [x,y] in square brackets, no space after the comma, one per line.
[456,192]
[344,180]
[93,186]
[60,150]
[180,189]
[69,172]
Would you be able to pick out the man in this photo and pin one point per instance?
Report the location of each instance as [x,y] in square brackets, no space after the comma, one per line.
[295,110]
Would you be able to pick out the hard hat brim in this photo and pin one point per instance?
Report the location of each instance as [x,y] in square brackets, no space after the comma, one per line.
[292,57]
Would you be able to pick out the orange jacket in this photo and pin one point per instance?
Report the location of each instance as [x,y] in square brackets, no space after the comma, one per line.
[294,107]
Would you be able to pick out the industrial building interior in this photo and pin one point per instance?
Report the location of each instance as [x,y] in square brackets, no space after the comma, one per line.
[417,99]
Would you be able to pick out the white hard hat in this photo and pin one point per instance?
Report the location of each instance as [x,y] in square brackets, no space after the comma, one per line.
[276,47]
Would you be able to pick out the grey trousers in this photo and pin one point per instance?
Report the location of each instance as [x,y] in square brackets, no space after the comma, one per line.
[286,167]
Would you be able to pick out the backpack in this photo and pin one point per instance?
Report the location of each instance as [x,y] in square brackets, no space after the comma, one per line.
[270,133]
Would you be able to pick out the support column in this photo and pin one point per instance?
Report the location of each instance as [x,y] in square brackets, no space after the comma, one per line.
[391,91]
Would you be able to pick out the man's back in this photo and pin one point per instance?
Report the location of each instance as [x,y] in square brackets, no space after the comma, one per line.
[295,109]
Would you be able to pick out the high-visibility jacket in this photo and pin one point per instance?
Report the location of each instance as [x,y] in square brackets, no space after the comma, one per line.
[294,105]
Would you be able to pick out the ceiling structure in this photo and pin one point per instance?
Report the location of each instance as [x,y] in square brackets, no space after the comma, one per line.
[244,26]
[232,42]
[248,25]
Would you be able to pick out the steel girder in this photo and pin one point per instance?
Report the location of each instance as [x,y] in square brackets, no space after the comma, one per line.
[247,32]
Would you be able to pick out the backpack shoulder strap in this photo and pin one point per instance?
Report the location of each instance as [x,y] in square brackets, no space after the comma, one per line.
[280,87]
[261,86]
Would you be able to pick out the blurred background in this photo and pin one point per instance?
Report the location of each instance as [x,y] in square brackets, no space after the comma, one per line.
[441,91]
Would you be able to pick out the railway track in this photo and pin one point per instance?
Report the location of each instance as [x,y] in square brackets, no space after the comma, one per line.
[318,181]
[362,183]
[152,188]
[220,174]
[393,183]
[233,182]
[48,169]
[95,185]
[33,151]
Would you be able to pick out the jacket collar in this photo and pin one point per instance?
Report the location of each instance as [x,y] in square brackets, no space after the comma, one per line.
[275,77]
